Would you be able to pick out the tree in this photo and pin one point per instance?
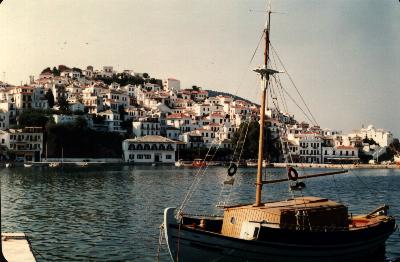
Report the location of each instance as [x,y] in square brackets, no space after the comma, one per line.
[77,69]
[63,104]
[81,123]
[46,70]
[250,144]
[55,71]
[63,68]
[146,75]
[98,120]
[272,149]
[196,88]
[122,112]
[33,118]
[127,125]
[370,141]
[50,97]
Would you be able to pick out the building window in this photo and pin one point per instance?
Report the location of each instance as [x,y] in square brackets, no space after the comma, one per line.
[147,156]
[168,156]
[139,156]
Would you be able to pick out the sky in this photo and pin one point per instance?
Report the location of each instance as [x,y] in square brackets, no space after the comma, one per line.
[344,56]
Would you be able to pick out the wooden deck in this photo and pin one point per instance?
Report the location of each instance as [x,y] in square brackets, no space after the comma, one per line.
[16,247]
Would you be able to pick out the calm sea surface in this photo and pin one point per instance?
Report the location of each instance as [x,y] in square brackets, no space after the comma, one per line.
[114,213]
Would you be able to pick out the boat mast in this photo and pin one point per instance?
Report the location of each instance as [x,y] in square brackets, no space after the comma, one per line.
[264,74]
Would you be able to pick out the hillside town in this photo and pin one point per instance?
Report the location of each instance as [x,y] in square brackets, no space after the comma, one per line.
[157,118]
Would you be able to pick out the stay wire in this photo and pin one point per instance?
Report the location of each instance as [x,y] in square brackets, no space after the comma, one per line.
[298,106]
[294,85]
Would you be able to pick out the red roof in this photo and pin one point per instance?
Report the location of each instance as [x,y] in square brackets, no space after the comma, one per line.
[216,115]
[177,115]
[345,147]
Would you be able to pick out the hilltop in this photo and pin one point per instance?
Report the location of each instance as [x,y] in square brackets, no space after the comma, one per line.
[235,97]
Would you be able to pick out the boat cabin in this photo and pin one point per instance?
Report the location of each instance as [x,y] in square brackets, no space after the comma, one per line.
[302,213]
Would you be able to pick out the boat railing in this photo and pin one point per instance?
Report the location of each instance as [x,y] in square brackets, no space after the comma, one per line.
[201,215]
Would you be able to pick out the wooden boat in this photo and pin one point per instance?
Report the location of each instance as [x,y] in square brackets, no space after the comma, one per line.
[28,165]
[302,228]
[199,163]
[182,163]
[251,163]
[9,165]
[82,164]
[54,164]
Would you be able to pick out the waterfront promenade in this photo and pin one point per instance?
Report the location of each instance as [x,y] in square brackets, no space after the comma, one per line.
[340,166]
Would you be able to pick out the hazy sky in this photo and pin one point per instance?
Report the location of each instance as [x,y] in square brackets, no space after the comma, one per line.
[344,56]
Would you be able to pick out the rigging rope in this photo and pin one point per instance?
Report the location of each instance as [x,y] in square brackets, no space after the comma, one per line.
[291,98]
[297,90]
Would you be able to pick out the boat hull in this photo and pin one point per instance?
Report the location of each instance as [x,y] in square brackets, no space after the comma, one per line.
[189,244]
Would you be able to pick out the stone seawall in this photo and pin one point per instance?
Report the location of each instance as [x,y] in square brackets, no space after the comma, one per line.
[340,166]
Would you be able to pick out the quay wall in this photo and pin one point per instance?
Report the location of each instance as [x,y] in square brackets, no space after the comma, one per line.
[340,166]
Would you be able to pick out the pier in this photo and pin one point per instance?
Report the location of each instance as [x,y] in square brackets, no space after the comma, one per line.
[16,247]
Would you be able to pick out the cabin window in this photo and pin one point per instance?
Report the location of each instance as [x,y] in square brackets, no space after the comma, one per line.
[233,220]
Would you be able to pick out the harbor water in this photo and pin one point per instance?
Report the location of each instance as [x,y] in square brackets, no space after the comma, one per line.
[114,213]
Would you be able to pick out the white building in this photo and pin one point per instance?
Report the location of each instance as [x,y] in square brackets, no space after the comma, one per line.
[310,147]
[146,126]
[27,143]
[380,136]
[340,154]
[149,149]
[170,84]
[181,121]
[107,71]
[112,121]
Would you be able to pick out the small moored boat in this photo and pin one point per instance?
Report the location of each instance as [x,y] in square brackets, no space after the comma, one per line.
[54,164]
[199,163]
